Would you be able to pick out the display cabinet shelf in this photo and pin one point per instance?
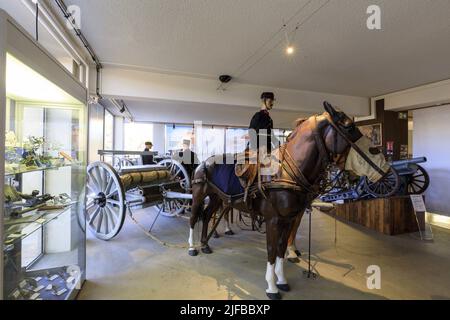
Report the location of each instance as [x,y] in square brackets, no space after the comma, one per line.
[19,229]
[22,171]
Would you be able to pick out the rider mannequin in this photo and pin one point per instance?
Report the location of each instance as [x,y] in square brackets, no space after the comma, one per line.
[262,121]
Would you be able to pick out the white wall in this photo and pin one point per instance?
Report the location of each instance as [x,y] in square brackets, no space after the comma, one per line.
[431,138]
[133,84]
[209,114]
[159,137]
[418,97]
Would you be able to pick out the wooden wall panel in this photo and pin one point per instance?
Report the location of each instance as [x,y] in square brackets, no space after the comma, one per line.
[390,216]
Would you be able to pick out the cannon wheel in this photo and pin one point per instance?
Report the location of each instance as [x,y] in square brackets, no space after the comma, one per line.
[418,182]
[105,201]
[387,186]
[173,207]
[119,162]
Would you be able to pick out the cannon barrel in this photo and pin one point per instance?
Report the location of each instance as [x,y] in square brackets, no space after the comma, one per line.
[405,162]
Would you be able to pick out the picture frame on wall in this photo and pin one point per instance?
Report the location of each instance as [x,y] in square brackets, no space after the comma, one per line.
[374,132]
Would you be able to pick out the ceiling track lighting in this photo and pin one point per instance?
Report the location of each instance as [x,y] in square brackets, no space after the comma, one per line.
[122,107]
[37,19]
[68,16]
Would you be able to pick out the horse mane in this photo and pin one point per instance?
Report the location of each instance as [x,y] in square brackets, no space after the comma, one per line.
[297,123]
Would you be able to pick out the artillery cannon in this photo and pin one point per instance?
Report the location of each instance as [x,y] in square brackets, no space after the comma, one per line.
[405,177]
[413,178]
[110,191]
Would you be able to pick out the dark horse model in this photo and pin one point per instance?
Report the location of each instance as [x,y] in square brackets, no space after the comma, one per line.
[301,164]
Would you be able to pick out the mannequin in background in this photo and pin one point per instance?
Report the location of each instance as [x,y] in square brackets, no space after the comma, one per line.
[148,159]
[187,157]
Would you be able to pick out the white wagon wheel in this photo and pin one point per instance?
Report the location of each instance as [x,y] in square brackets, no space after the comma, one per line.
[105,201]
[119,162]
[171,207]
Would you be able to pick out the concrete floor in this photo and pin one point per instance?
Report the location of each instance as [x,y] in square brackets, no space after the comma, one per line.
[132,266]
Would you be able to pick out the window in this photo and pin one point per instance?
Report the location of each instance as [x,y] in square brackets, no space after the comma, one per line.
[212,142]
[281,135]
[136,134]
[109,131]
[49,38]
[108,135]
[175,136]
[236,140]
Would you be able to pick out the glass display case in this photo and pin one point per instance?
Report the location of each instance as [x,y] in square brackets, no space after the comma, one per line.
[45,143]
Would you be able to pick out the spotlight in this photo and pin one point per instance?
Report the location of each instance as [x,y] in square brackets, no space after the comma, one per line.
[290,50]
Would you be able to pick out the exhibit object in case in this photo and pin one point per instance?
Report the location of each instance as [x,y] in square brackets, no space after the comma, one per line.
[43,119]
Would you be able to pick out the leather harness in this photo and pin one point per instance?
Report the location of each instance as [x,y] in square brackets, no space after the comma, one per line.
[297,180]
[288,165]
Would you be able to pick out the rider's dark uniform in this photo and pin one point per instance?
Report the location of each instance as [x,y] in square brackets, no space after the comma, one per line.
[260,121]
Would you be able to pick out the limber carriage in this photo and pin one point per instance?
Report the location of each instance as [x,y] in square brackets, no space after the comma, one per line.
[112,190]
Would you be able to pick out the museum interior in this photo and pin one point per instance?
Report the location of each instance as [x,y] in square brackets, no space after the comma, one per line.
[225,150]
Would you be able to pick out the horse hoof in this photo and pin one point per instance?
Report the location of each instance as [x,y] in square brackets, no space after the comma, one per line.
[229,232]
[298,253]
[284,287]
[193,252]
[207,250]
[216,235]
[294,260]
[274,296]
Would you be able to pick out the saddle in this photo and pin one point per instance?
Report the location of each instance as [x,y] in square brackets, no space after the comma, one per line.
[248,170]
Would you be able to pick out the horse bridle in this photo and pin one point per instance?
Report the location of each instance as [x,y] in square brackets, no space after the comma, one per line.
[352,144]
[346,132]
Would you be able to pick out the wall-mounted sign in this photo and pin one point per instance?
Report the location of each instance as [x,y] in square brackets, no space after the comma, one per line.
[403,115]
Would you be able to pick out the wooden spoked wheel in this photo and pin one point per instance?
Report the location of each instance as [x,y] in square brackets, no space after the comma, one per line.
[105,201]
[387,186]
[418,182]
[119,162]
[172,207]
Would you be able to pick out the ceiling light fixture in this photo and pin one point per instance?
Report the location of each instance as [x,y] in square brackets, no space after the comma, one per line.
[290,50]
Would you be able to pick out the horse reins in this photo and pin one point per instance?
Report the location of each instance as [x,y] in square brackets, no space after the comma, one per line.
[357,149]
[289,166]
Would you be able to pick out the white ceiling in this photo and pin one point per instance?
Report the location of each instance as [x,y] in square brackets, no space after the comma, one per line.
[336,53]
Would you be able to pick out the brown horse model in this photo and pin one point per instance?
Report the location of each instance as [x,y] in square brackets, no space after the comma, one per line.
[302,161]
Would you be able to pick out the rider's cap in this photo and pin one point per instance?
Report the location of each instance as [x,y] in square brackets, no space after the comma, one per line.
[268,95]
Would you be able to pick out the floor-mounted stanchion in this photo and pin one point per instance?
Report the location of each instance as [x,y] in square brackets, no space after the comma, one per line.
[309,273]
